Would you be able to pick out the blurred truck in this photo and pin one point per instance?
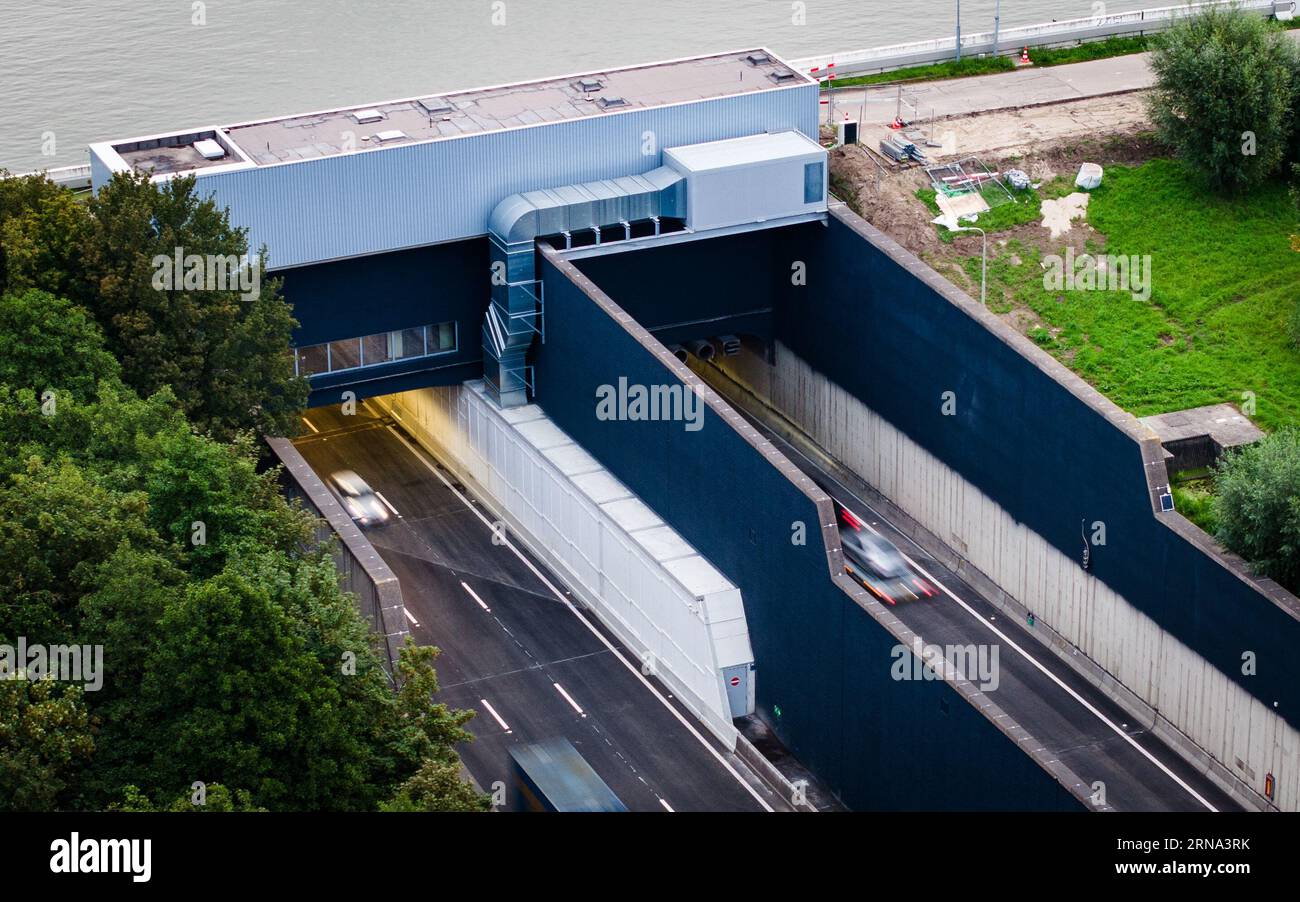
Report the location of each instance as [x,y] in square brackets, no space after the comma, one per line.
[552,776]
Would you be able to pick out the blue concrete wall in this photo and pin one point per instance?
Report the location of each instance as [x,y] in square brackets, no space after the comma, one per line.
[384,292]
[1026,441]
[823,662]
[1047,457]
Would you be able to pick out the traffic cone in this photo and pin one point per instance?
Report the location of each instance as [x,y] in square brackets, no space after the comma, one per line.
[1024,57]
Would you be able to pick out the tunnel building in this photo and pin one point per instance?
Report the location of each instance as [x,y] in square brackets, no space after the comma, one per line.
[377,217]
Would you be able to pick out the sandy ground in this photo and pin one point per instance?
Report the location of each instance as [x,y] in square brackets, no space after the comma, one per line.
[1041,140]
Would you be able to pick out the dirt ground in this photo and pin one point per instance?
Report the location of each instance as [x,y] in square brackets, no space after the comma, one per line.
[1043,141]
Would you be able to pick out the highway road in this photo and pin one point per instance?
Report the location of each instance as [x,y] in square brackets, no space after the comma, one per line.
[528,663]
[1070,717]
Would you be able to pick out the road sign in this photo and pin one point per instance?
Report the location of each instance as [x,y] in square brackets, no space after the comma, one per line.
[735,681]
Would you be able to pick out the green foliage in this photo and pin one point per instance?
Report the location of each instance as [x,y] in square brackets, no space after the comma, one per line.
[1225,80]
[231,654]
[1195,501]
[45,739]
[215,798]
[1222,289]
[46,343]
[223,355]
[437,786]
[1257,508]
[971,65]
[1089,50]
[42,227]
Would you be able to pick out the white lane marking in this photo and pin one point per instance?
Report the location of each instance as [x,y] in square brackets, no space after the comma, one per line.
[1028,657]
[1051,676]
[410,616]
[569,698]
[380,496]
[474,595]
[667,807]
[635,671]
[495,716]
[310,425]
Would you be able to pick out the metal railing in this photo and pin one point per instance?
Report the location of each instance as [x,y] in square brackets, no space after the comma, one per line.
[67,176]
[1011,40]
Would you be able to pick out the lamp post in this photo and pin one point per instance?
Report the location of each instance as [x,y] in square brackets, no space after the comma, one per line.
[997,26]
[959,31]
[984,261]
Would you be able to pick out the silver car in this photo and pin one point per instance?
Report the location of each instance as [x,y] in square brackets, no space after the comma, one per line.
[359,500]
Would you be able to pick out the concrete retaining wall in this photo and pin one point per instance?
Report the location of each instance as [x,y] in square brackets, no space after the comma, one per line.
[361,570]
[1169,683]
[823,647]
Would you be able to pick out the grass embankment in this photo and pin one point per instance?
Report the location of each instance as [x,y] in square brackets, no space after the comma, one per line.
[988,65]
[1214,328]
[1223,286]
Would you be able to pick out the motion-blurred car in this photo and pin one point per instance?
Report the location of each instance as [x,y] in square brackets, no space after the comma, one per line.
[873,561]
[359,500]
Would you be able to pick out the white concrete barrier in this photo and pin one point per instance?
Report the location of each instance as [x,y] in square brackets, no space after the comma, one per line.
[649,587]
[1142,666]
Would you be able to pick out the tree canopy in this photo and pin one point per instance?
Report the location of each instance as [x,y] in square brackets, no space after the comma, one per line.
[1226,86]
[135,516]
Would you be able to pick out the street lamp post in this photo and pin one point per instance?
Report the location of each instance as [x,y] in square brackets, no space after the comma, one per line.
[959,31]
[997,26]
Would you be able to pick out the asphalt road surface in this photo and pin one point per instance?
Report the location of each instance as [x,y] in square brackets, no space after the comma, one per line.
[1071,718]
[528,664]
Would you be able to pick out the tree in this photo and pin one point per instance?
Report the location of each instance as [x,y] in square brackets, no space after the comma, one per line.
[48,344]
[1258,505]
[45,739]
[223,349]
[42,227]
[437,786]
[1225,83]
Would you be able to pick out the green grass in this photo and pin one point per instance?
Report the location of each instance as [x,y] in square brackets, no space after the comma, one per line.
[973,65]
[1041,57]
[1195,501]
[1092,50]
[1024,208]
[1223,286]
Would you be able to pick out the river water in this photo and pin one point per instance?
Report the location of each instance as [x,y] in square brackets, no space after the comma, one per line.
[76,71]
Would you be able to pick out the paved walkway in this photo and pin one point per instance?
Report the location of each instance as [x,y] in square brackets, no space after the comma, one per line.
[981,93]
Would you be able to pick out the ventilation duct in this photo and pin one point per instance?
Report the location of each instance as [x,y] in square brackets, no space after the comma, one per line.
[514,317]
[730,344]
[703,350]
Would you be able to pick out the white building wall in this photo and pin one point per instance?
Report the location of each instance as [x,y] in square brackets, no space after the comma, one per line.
[1196,698]
[643,581]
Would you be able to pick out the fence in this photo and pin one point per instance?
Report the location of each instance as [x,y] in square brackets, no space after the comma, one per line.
[1010,40]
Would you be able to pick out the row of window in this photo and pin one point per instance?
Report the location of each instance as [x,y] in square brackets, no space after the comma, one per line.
[375,350]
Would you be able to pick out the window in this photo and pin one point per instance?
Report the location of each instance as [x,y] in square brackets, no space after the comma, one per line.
[345,354]
[442,337]
[812,182]
[312,360]
[375,350]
